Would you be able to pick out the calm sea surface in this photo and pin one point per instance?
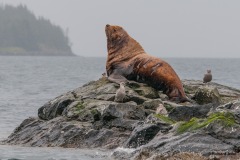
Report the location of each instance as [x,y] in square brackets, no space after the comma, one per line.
[26,83]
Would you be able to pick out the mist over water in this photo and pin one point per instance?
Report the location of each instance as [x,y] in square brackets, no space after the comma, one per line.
[224,71]
[29,82]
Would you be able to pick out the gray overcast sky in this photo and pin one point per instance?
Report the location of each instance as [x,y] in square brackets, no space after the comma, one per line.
[165,28]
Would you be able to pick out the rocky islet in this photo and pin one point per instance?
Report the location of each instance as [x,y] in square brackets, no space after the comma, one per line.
[88,117]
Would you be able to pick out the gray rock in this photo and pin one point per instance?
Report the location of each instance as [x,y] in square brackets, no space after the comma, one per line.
[229,135]
[143,133]
[55,107]
[122,115]
[188,142]
[152,104]
[127,111]
[185,113]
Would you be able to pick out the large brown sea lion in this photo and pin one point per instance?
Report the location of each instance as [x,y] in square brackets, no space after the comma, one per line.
[127,60]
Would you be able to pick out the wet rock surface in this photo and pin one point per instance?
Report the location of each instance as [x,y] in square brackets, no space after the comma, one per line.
[88,117]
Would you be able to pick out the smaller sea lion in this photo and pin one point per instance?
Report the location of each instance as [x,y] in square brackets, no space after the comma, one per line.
[120,93]
[207,77]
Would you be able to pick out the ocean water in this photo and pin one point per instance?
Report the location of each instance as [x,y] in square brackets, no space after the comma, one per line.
[26,83]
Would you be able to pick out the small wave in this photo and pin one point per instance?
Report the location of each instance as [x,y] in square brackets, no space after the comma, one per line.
[127,150]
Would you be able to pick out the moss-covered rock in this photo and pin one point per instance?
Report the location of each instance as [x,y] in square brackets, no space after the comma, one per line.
[79,108]
[147,92]
[152,104]
[74,109]
[206,94]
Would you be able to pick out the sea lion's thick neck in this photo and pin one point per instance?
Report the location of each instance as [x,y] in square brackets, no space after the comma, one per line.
[114,46]
[127,47]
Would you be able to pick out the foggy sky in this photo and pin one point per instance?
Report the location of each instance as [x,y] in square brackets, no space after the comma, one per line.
[165,28]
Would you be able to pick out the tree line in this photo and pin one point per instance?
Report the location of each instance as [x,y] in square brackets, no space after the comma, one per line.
[22,31]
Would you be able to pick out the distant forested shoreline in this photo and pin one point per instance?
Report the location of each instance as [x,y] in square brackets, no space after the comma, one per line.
[22,33]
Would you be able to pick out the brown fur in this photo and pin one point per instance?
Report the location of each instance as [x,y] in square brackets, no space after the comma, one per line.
[127,60]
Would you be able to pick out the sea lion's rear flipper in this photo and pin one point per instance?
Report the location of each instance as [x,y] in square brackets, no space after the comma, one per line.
[116,78]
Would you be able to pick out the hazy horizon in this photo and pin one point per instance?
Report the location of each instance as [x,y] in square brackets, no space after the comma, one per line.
[165,28]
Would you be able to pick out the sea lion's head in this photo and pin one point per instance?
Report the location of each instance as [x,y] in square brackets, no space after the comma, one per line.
[116,35]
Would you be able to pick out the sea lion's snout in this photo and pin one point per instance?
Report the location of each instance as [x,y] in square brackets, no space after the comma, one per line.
[108,30]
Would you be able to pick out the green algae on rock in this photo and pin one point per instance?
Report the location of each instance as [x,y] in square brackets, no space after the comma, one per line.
[224,118]
[165,118]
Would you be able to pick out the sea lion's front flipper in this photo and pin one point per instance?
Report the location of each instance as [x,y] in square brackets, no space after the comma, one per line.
[116,78]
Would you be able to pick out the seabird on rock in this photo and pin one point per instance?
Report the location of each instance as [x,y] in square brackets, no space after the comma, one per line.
[120,93]
[207,77]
